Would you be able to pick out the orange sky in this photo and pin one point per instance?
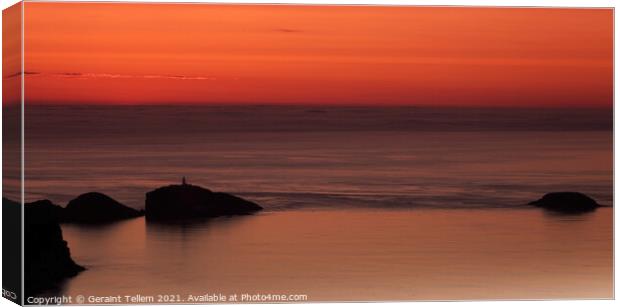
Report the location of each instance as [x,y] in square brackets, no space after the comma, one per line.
[175,53]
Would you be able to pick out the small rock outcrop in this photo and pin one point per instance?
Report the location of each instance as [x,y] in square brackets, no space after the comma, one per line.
[47,259]
[567,202]
[186,201]
[96,207]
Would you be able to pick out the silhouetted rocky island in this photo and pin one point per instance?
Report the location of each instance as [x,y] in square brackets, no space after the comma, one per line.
[96,207]
[46,254]
[567,202]
[186,201]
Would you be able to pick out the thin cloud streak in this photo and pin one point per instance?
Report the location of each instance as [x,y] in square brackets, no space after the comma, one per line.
[288,30]
[17,74]
[78,75]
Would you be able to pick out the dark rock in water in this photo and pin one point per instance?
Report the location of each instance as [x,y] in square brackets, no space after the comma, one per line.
[568,202]
[186,201]
[97,208]
[47,259]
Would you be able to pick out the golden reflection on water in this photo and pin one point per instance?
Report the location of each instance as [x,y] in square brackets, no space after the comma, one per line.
[353,255]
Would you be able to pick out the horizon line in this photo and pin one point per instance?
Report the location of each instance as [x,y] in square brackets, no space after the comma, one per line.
[311,105]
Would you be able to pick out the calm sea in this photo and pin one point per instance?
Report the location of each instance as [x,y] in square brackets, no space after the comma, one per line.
[362,203]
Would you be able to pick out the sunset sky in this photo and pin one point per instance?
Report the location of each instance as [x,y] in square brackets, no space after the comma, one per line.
[217,54]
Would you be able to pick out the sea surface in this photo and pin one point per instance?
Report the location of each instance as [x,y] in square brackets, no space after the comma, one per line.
[362,203]
[352,255]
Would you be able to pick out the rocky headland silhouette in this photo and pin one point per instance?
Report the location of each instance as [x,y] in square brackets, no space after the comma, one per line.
[566,202]
[47,258]
[48,208]
[185,201]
